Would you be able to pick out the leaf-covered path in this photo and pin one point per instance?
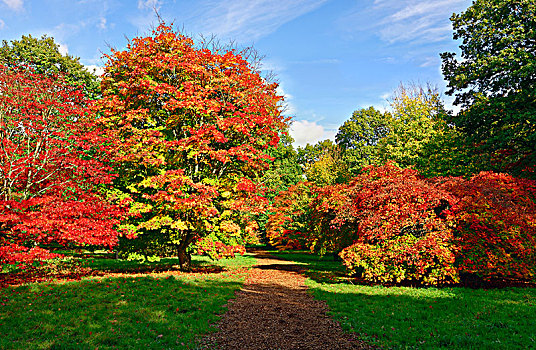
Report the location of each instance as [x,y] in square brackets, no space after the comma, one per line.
[273,310]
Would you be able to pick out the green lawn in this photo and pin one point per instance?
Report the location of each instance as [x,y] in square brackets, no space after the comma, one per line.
[424,318]
[128,312]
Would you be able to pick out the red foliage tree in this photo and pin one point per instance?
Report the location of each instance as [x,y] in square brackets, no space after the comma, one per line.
[288,220]
[494,219]
[399,233]
[52,169]
[194,127]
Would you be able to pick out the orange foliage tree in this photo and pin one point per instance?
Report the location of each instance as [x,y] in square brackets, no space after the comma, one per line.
[194,126]
[494,220]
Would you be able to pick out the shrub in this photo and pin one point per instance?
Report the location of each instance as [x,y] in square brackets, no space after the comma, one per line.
[494,220]
[400,235]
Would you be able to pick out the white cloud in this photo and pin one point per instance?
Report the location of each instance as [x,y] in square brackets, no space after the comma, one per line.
[2,24]
[249,20]
[149,4]
[15,5]
[63,48]
[304,132]
[418,20]
[147,16]
[430,61]
[97,70]
[102,23]
[408,20]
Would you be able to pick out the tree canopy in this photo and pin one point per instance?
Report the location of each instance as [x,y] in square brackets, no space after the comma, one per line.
[54,169]
[495,81]
[43,56]
[358,137]
[193,127]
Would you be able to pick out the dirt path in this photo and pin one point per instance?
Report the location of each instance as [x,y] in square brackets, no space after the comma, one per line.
[274,311]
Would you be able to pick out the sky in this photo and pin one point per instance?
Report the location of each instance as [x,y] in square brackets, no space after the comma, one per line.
[330,57]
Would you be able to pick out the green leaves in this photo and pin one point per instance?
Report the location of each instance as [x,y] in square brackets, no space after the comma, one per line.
[494,82]
[418,119]
[43,57]
[359,136]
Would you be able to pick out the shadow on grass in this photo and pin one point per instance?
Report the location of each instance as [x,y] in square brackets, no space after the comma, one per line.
[88,266]
[318,268]
[152,312]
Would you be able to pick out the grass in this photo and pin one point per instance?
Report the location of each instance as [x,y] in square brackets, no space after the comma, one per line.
[142,311]
[424,318]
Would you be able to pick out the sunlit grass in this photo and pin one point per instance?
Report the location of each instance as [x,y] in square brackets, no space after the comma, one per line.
[425,318]
[158,311]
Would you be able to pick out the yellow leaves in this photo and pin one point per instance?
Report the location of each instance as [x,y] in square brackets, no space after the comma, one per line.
[179,225]
[138,208]
[229,227]
[132,188]
[156,223]
[128,230]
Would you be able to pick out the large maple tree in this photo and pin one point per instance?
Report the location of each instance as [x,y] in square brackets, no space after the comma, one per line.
[194,125]
[53,172]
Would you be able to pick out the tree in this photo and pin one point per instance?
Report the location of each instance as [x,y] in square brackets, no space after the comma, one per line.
[359,136]
[418,118]
[53,169]
[323,163]
[495,80]
[42,56]
[311,153]
[284,171]
[288,223]
[194,126]
[494,220]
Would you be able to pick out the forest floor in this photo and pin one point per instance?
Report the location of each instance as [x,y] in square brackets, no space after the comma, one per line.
[274,310]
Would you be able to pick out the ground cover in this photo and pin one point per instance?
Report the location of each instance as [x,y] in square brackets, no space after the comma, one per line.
[423,318]
[124,309]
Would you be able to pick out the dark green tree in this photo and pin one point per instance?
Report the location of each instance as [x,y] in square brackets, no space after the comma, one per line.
[358,137]
[494,81]
[42,56]
[285,170]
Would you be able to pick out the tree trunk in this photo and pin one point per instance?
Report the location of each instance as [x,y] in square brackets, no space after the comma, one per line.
[185,259]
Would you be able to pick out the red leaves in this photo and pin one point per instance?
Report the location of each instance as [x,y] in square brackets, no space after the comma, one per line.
[392,225]
[207,114]
[51,163]
[495,222]
[218,250]
[391,215]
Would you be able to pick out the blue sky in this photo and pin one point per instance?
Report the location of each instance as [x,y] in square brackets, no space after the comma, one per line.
[331,57]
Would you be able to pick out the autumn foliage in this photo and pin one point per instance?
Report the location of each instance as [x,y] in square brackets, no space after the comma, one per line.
[394,218]
[494,220]
[193,126]
[288,220]
[392,225]
[53,169]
